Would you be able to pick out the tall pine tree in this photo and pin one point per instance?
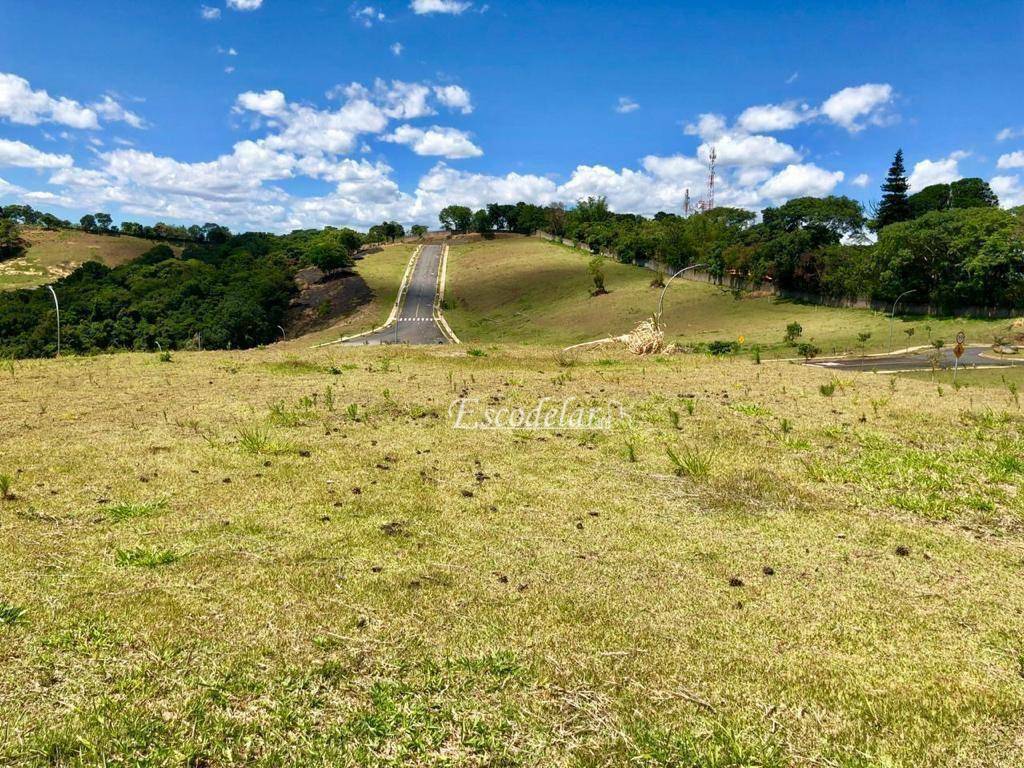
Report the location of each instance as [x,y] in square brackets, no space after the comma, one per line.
[895,205]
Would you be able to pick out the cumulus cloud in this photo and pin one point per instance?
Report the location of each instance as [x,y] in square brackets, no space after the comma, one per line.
[709,126]
[454,7]
[436,142]
[734,149]
[854,108]
[626,105]
[245,5]
[773,117]
[397,49]
[861,180]
[209,13]
[1010,133]
[1009,189]
[944,171]
[1011,160]
[800,181]
[18,154]
[21,104]
[454,97]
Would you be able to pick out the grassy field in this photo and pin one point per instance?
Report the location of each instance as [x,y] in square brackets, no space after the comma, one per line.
[52,255]
[280,558]
[382,272]
[532,291]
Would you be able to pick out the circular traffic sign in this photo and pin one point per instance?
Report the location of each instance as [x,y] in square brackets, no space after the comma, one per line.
[961,338]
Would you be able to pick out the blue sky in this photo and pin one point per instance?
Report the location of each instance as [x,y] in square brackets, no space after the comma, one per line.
[275,114]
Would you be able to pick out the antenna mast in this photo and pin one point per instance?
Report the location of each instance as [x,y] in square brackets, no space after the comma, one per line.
[712,170]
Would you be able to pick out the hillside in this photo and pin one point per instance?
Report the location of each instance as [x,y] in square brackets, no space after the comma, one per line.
[54,254]
[533,291]
[263,558]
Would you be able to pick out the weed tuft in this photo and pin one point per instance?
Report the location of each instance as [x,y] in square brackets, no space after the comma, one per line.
[690,462]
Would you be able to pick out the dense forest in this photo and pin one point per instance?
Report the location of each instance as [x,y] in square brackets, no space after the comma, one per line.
[949,243]
[227,295]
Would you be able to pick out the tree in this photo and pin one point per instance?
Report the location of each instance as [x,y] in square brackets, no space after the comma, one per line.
[104,222]
[895,205]
[419,231]
[456,218]
[88,223]
[482,222]
[596,269]
[972,193]
[11,244]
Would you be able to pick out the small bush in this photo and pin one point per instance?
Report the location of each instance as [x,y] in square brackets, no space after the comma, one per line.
[719,348]
[476,353]
[793,332]
[165,357]
[828,389]
[5,488]
[807,351]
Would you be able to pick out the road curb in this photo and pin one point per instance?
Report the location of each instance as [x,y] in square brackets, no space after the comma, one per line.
[402,290]
[442,280]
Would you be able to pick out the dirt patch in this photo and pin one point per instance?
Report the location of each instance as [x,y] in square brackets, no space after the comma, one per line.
[325,299]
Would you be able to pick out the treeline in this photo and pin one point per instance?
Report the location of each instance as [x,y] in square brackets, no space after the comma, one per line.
[228,295]
[14,217]
[950,244]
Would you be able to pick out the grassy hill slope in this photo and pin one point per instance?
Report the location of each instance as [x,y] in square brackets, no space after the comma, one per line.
[527,290]
[382,271]
[267,558]
[54,254]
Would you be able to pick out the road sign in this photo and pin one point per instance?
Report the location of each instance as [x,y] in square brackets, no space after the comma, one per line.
[959,350]
[961,338]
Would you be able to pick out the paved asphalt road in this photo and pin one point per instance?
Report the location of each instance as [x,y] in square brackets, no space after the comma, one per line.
[917,361]
[415,324]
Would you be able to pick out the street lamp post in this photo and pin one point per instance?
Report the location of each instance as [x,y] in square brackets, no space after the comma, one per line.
[661,302]
[892,318]
[57,305]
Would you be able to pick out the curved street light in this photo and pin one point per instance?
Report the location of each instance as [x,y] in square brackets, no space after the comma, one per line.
[892,318]
[57,305]
[661,302]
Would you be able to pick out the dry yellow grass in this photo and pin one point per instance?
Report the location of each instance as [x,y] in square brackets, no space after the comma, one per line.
[52,255]
[275,558]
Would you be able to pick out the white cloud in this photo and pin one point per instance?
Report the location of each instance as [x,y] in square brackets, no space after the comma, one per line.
[708,126]
[749,150]
[10,190]
[397,49]
[1010,133]
[209,13]
[944,171]
[1009,189]
[245,5]
[801,181]
[443,186]
[626,105]
[20,104]
[454,7]
[112,111]
[436,141]
[853,108]
[677,168]
[1012,160]
[267,103]
[368,15]
[773,117]
[454,97]
[861,180]
[18,154]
